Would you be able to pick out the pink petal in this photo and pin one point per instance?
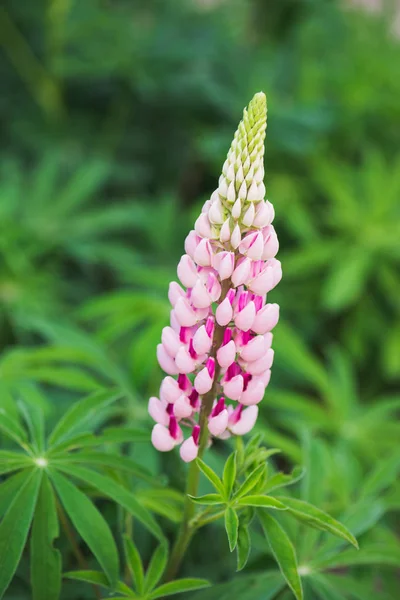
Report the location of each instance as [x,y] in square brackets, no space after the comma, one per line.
[254,392]
[254,349]
[174,292]
[199,297]
[204,253]
[158,411]
[170,341]
[169,390]
[262,364]
[182,408]
[184,361]
[224,312]
[191,242]
[233,388]
[162,439]
[189,450]
[203,382]
[264,214]
[202,341]
[266,318]
[185,315]
[218,424]
[245,318]
[246,422]
[165,361]
[226,354]
[242,272]
[203,226]
[187,271]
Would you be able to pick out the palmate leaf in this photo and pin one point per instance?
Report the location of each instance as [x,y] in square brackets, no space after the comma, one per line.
[10,487]
[156,568]
[15,526]
[178,587]
[243,547]
[80,414]
[32,410]
[314,517]
[90,524]
[13,430]
[98,578]
[279,480]
[45,559]
[231,527]
[283,551]
[262,501]
[110,435]
[116,492]
[134,563]
[207,499]
[250,482]
[372,554]
[229,474]
[211,476]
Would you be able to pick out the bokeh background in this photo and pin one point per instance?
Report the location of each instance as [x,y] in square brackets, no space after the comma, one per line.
[116,117]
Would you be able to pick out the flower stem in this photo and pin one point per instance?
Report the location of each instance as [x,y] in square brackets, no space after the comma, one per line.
[186,529]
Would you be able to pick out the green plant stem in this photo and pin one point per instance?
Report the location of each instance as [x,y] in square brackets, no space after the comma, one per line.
[187,529]
[74,545]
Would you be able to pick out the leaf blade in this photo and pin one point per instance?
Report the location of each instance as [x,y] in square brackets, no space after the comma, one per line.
[231,527]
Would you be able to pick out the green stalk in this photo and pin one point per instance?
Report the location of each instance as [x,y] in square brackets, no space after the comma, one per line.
[187,528]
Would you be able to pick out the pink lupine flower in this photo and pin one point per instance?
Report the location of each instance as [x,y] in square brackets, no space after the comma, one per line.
[217,349]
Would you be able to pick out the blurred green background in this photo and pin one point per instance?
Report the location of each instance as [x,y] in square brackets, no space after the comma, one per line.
[116,117]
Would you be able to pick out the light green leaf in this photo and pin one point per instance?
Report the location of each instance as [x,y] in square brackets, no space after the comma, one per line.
[314,517]
[116,492]
[15,526]
[243,547]
[134,564]
[177,587]
[231,527]
[207,499]
[80,414]
[262,501]
[283,551]
[90,524]
[250,482]
[156,568]
[211,476]
[279,480]
[45,559]
[98,578]
[229,474]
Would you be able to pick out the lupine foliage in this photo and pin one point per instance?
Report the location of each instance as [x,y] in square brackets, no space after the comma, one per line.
[116,118]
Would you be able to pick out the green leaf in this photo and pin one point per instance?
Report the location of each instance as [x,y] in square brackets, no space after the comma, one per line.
[243,547]
[45,559]
[116,492]
[90,524]
[134,563]
[382,476]
[250,482]
[262,501]
[207,499]
[282,479]
[231,527]
[211,476]
[229,475]
[98,578]
[107,459]
[314,517]
[13,430]
[373,554]
[80,413]
[177,587]
[10,487]
[283,551]
[156,568]
[15,526]
[32,411]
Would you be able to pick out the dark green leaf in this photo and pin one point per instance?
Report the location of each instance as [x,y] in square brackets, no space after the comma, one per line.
[106,459]
[177,587]
[262,501]
[283,551]
[32,411]
[211,476]
[116,492]
[90,524]
[243,547]
[229,475]
[231,527]
[10,488]
[134,563]
[80,413]
[309,514]
[156,568]
[15,526]
[13,430]
[45,559]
